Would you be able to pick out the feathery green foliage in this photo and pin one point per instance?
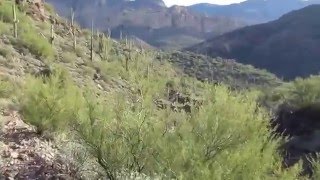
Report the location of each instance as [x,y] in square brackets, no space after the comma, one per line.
[299,93]
[4,29]
[49,103]
[68,57]
[28,36]
[6,88]
[213,143]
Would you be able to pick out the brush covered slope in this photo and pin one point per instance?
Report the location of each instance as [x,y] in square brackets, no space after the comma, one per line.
[225,71]
[112,111]
[288,47]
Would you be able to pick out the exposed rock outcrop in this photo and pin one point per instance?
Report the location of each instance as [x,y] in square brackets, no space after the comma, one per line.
[179,102]
[35,8]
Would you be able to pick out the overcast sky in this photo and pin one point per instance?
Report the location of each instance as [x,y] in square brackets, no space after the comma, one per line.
[189,2]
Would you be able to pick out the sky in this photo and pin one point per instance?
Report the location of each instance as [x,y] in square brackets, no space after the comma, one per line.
[189,2]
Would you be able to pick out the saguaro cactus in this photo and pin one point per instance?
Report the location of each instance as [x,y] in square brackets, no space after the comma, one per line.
[109,33]
[101,43]
[120,35]
[128,52]
[52,34]
[91,48]
[103,46]
[73,30]
[15,21]
[148,71]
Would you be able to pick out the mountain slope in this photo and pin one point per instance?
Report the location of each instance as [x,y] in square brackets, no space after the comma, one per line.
[288,47]
[254,11]
[102,105]
[148,20]
[226,71]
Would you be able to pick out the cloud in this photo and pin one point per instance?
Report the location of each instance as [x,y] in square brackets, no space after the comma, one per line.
[189,2]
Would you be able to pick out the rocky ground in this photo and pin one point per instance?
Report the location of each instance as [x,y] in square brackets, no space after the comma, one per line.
[26,155]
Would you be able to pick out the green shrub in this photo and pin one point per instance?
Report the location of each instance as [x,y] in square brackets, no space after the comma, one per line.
[6,89]
[214,143]
[6,11]
[37,45]
[49,8]
[227,138]
[50,105]
[68,57]
[4,52]
[28,36]
[316,167]
[299,93]
[4,28]
[80,52]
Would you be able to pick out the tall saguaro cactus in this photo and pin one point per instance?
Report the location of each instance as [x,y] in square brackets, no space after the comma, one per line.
[73,30]
[109,33]
[128,57]
[52,34]
[15,21]
[101,42]
[91,48]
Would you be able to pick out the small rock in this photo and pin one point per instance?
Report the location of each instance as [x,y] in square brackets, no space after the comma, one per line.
[99,86]
[23,157]
[13,146]
[6,153]
[6,113]
[14,155]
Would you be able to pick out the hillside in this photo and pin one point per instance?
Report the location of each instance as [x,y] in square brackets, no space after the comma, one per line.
[75,104]
[218,70]
[254,11]
[151,21]
[287,47]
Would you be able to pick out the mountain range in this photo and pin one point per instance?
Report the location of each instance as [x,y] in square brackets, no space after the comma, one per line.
[214,30]
[253,11]
[288,47]
[148,20]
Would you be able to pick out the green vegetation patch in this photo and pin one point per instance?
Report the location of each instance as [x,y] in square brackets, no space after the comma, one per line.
[28,36]
[6,88]
[298,93]
[213,142]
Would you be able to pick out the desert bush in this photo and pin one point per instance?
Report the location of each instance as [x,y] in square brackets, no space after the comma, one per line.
[6,88]
[68,57]
[49,8]
[6,11]
[227,138]
[80,52]
[222,143]
[111,69]
[50,103]
[214,143]
[298,93]
[4,28]
[37,45]
[28,35]
[5,52]
[316,166]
